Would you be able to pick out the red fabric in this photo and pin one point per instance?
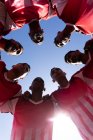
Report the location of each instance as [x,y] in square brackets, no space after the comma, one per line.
[88,69]
[66,97]
[79,13]
[2,66]
[1,28]
[7,89]
[23,12]
[77,101]
[33,121]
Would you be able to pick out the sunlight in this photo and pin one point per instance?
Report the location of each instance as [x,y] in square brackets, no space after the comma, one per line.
[64,129]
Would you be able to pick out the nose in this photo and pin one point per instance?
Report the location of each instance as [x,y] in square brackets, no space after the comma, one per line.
[27,66]
[19,51]
[38,37]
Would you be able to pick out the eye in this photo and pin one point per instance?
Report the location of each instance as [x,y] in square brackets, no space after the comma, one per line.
[18,52]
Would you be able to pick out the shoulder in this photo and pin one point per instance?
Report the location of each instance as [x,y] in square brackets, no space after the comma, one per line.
[46,97]
[2,66]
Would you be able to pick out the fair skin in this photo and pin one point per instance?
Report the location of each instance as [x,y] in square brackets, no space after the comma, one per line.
[36,33]
[76,56]
[2,44]
[64,36]
[14,48]
[17,71]
[59,77]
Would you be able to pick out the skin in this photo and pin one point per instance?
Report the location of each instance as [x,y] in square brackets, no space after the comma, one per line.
[17,71]
[60,77]
[73,56]
[12,50]
[37,88]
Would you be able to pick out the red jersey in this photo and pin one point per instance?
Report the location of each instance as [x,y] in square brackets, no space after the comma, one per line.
[77,100]
[24,11]
[79,13]
[33,120]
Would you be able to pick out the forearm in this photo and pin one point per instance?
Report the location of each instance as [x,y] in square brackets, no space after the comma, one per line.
[69,29]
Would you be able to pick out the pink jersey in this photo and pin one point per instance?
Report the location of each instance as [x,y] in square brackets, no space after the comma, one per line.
[79,13]
[33,120]
[7,88]
[77,100]
[23,11]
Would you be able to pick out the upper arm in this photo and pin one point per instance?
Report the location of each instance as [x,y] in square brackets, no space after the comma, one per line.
[10,105]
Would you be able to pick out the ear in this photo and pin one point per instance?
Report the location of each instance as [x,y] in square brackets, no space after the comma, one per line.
[44,89]
[30,87]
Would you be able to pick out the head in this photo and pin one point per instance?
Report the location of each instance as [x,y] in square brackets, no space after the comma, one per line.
[61,39]
[20,70]
[37,85]
[36,33]
[57,74]
[13,47]
[88,46]
[73,57]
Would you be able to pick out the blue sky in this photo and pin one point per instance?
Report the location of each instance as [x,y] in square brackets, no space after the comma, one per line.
[41,59]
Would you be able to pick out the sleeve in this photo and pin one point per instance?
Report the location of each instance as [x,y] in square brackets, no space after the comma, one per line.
[88,69]
[9,106]
[86,73]
[68,97]
[2,66]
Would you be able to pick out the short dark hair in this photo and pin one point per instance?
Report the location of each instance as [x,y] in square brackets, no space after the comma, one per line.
[53,70]
[67,55]
[37,37]
[36,33]
[8,45]
[39,79]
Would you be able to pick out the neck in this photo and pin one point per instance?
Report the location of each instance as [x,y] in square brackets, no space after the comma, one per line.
[11,75]
[85,58]
[36,96]
[63,83]
[2,43]
[34,26]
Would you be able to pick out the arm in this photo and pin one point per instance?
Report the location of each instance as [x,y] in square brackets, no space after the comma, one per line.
[2,66]
[86,73]
[9,106]
[76,57]
[7,88]
[85,58]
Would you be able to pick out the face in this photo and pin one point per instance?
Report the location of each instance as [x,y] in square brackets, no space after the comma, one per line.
[37,85]
[20,70]
[37,37]
[15,48]
[56,74]
[61,39]
[73,57]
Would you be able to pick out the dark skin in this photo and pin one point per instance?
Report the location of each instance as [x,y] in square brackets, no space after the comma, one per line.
[37,88]
[59,76]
